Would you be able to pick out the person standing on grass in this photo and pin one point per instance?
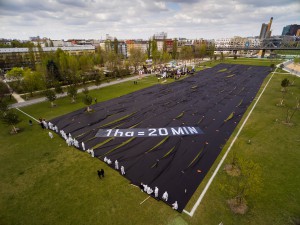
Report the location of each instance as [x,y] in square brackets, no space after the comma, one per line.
[116,165]
[122,170]
[102,172]
[99,173]
[175,205]
[50,135]
[165,196]
[156,192]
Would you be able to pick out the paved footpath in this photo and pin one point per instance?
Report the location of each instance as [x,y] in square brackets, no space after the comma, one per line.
[292,68]
[43,99]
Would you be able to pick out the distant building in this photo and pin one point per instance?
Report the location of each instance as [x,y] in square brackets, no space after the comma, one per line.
[265,31]
[160,36]
[137,44]
[20,57]
[108,37]
[58,43]
[290,30]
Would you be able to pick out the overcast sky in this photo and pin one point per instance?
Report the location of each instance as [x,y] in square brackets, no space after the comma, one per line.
[125,19]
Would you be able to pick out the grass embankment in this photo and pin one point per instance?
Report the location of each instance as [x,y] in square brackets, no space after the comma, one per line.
[243,61]
[45,182]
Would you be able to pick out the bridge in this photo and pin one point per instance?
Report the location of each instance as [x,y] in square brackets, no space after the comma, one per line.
[271,44]
[256,48]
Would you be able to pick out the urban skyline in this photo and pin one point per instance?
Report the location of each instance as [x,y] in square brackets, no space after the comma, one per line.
[131,19]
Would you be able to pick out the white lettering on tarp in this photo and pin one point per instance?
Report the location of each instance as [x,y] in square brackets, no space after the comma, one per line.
[108,132]
[193,130]
[152,132]
[186,131]
[118,133]
[163,132]
[129,134]
[149,132]
[177,132]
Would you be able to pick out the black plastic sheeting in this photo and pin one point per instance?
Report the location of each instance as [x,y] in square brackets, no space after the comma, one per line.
[176,164]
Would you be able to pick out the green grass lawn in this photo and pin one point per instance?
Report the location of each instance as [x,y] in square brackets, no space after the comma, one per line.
[45,182]
[244,61]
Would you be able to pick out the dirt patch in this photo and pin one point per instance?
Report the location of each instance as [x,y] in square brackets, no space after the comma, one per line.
[232,170]
[294,66]
[237,208]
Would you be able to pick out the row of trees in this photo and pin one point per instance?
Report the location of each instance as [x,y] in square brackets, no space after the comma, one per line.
[54,69]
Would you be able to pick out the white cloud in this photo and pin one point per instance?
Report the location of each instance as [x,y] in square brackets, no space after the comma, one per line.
[63,19]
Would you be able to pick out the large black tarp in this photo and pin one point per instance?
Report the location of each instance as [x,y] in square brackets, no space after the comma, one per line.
[176,164]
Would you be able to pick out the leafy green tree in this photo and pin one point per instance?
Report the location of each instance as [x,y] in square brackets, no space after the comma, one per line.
[211,51]
[222,56]
[33,81]
[284,84]
[52,73]
[16,74]
[50,95]
[164,46]
[246,185]
[202,51]
[73,66]
[58,88]
[98,77]
[166,57]
[3,107]
[12,119]
[99,57]
[87,100]
[4,90]
[116,46]
[113,60]
[149,49]
[154,52]
[136,58]
[72,93]
[174,49]
[186,53]
[63,64]
[32,58]
[86,63]
[85,90]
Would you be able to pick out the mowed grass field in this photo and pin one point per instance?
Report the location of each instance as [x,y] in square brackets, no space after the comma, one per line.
[45,182]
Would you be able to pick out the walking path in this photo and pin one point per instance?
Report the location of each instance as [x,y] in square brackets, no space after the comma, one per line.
[22,103]
[292,68]
[18,97]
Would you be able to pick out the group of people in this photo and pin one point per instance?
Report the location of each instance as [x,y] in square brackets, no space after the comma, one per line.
[73,142]
[68,138]
[173,72]
[109,162]
[145,188]
[100,173]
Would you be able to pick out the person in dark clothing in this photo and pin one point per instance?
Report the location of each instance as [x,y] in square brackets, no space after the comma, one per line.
[141,186]
[30,122]
[41,123]
[99,173]
[102,172]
